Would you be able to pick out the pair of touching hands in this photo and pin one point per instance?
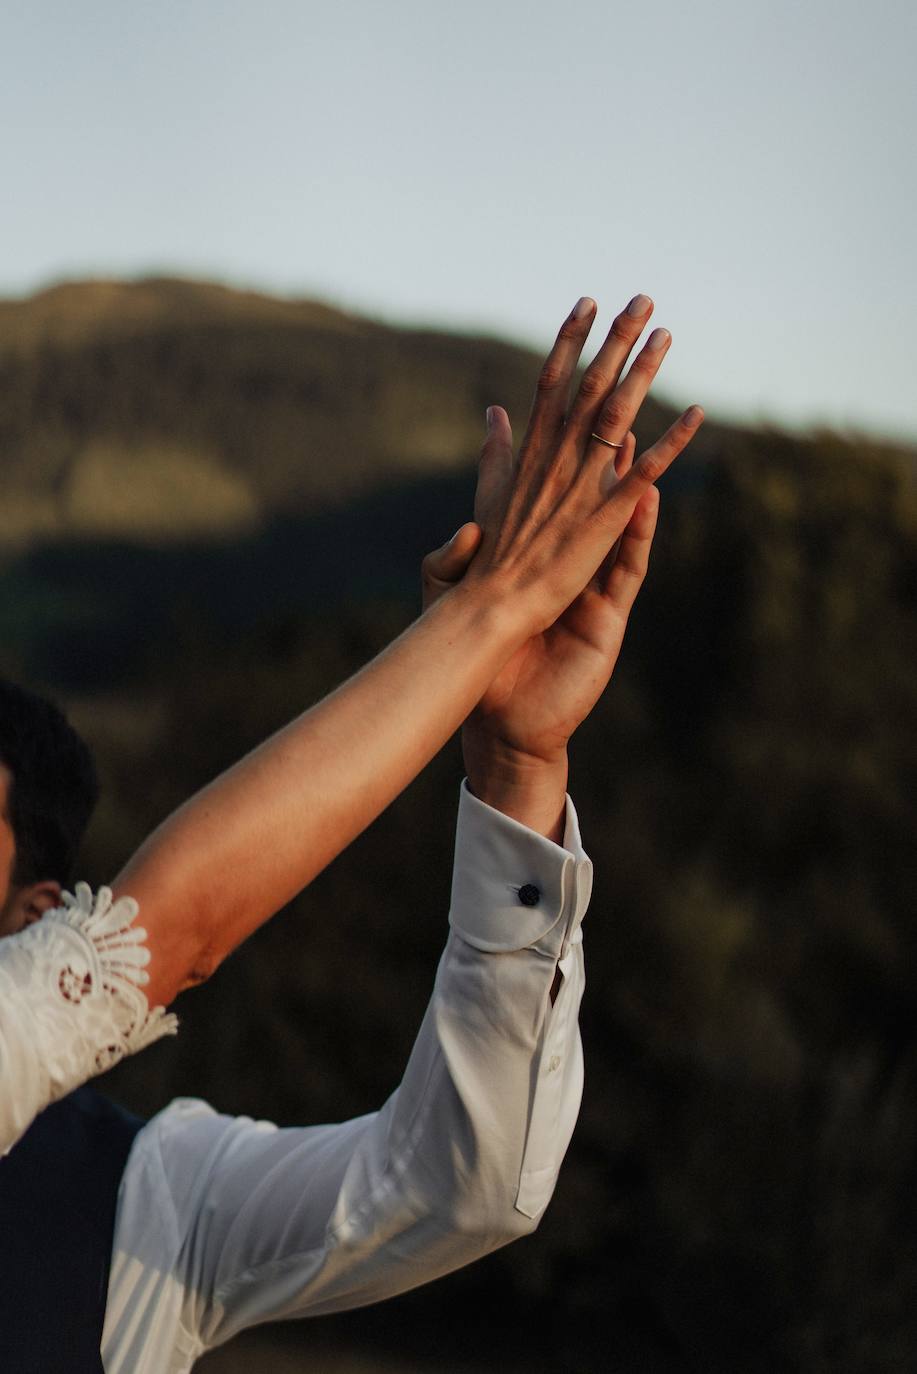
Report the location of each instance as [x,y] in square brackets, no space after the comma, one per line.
[525,612]
[567,527]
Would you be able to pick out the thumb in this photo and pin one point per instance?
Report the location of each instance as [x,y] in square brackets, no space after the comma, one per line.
[445,566]
[495,469]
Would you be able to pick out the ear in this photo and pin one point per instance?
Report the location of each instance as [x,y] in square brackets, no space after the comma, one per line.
[33,901]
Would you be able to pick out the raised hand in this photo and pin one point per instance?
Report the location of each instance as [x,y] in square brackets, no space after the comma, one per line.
[530,632]
[516,738]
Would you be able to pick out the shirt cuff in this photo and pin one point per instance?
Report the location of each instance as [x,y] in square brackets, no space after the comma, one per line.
[514,889]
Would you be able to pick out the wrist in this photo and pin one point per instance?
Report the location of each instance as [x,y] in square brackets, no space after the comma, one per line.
[530,789]
[484,610]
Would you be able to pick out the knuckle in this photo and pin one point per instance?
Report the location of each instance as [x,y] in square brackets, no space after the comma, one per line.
[652,464]
[615,415]
[550,376]
[622,328]
[646,362]
[593,384]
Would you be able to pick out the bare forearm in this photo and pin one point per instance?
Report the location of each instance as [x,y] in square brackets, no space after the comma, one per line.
[242,847]
[239,850]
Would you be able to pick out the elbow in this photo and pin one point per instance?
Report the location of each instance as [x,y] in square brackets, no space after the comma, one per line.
[493,1190]
[524,1217]
[181,959]
[182,923]
[492,1218]
[519,1224]
[200,935]
[201,966]
[487,1231]
[169,978]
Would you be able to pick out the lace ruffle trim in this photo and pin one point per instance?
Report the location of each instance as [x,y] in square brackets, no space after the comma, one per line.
[105,964]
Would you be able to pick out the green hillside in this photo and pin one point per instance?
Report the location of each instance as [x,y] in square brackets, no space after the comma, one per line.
[164,410]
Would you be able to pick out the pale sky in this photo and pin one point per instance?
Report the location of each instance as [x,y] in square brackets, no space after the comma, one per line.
[751,165]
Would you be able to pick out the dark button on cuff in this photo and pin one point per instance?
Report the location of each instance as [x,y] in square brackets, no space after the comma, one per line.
[529,895]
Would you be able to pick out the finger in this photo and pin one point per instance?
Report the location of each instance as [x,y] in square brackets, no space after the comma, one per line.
[449,563]
[651,464]
[620,408]
[552,392]
[495,469]
[618,466]
[445,566]
[625,459]
[626,577]
[618,461]
[602,374]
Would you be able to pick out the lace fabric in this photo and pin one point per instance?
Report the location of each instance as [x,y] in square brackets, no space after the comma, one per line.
[71,1002]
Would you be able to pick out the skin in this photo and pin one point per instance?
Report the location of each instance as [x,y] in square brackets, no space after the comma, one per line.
[525,612]
[515,741]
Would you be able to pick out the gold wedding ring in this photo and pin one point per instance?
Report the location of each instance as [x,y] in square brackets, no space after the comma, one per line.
[606,441]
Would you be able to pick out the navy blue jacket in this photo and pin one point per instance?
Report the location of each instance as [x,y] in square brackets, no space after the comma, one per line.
[58,1192]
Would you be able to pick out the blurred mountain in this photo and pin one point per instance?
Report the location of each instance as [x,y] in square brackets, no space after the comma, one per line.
[166,410]
[162,410]
[177,452]
[170,444]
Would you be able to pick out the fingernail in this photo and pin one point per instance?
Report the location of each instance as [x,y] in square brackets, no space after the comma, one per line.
[584,306]
[658,339]
[639,306]
[693,415]
[489,416]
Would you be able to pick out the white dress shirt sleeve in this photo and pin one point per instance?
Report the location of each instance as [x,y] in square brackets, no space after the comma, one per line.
[71,1003]
[225,1222]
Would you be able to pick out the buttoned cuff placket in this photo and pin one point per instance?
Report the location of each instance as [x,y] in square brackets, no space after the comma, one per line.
[515,890]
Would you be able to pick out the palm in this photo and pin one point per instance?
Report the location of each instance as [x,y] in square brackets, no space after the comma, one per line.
[551,684]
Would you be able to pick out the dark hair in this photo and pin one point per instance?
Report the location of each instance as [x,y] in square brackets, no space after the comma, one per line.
[54,787]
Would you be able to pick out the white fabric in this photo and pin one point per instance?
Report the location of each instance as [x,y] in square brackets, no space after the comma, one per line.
[226,1222]
[71,1003]
[223,1222]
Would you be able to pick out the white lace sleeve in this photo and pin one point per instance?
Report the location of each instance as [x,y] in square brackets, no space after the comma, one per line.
[71,1003]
